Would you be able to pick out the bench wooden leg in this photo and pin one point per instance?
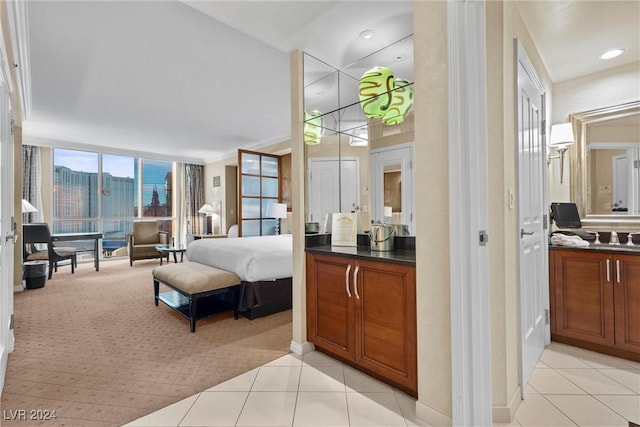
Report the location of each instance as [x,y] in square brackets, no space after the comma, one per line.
[193,312]
[156,290]
[235,300]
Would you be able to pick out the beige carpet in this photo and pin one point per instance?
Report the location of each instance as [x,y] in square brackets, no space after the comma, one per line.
[95,349]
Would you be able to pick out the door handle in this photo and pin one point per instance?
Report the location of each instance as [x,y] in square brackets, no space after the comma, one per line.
[522,233]
[11,238]
[608,273]
[346,280]
[618,270]
[355,281]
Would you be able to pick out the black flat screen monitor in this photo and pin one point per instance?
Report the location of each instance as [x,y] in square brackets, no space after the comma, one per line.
[565,215]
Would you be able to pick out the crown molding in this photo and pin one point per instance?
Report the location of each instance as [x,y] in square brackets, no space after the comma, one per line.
[19,33]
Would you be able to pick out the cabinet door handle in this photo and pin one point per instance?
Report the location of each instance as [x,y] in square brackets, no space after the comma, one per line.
[346,280]
[618,270]
[355,281]
[608,273]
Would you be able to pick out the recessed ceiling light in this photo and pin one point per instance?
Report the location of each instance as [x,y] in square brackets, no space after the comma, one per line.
[367,34]
[612,53]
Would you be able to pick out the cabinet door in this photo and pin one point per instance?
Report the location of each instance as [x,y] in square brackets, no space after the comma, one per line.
[627,301]
[329,306]
[584,296]
[385,326]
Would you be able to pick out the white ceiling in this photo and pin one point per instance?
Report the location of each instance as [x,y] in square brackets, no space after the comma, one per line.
[195,80]
[571,35]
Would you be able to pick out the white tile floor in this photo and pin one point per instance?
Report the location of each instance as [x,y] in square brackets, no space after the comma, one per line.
[569,387]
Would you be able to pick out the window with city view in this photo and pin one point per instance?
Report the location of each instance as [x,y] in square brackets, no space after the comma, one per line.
[104,193]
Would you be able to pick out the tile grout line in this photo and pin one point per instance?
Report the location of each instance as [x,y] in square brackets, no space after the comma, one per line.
[605,404]
[544,396]
[587,393]
[595,370]
[188,410]
[622,385]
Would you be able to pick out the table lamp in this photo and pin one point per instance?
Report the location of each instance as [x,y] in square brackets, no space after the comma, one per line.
[277,211]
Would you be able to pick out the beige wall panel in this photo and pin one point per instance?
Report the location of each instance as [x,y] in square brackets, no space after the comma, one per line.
[432,248]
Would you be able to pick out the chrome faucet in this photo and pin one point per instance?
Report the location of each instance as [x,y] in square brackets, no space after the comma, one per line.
[613,240]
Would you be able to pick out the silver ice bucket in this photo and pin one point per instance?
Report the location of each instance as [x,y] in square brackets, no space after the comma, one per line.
[381,237]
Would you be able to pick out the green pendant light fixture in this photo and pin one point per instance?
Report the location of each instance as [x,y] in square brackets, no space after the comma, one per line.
[374,90]
[401,103]
[313,127]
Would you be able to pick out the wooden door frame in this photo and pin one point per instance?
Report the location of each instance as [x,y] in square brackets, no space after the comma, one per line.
[239,198]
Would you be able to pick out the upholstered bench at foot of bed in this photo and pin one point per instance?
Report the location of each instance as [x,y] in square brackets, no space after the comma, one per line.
[194,282]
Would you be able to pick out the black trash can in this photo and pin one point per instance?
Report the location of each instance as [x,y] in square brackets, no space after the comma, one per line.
[35,274]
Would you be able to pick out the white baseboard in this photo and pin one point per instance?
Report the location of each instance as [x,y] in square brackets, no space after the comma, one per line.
[431,416]
[18,288]
[506,414]
[301,349]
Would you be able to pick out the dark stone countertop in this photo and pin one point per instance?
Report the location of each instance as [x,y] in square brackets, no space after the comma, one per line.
[602,247]
[404,252]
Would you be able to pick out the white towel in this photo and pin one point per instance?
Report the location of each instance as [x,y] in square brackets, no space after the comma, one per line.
[564,240]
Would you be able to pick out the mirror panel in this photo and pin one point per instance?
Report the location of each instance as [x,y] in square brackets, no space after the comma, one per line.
[338,156]
[607,139]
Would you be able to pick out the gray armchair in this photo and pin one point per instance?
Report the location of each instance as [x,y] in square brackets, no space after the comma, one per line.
[143,240]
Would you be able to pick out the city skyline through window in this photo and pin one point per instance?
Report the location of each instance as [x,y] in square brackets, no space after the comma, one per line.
[101,192]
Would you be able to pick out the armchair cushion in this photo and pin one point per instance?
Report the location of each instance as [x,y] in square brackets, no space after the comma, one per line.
[143,240]
[145,232]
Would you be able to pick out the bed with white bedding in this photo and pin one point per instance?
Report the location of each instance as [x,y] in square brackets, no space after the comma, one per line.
[264,264]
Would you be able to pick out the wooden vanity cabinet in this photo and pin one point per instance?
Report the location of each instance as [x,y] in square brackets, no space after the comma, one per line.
[595,300]
[627,302]
[364,312]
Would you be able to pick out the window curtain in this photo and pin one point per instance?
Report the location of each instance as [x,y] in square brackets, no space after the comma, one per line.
[32,182]
[194,177]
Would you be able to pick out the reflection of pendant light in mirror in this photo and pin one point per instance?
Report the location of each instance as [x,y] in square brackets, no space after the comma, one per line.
[313,127]
[560,139]
[401,103]
[374,91]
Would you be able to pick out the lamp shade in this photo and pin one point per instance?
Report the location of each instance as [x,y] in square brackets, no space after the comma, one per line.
[561,135]
[313,127]
[206,209]
[401,103]
[28,207]
[374,90]
[277,210]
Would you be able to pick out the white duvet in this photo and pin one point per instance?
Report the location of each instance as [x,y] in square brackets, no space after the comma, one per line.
[251,258]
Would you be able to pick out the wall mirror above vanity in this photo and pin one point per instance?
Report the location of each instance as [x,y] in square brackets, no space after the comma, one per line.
[605,166]
[356,163]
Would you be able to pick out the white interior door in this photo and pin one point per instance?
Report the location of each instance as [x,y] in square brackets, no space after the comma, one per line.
[533,264]
[334,186]
[397,157]
[621,178]
[7,231]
